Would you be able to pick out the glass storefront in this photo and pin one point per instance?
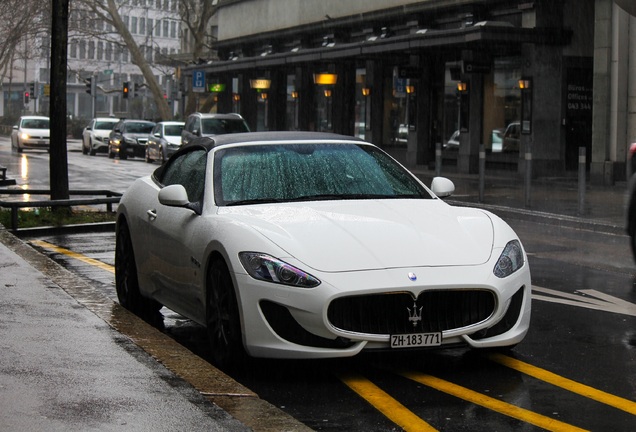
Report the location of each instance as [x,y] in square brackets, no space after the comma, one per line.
[502,106]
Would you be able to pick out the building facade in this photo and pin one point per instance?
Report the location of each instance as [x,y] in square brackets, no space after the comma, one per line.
[522,80]
[96,51]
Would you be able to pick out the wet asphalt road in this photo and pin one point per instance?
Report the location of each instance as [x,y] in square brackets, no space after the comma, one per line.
[576,368]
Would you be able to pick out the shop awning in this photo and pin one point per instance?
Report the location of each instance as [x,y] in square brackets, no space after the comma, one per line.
[480,36]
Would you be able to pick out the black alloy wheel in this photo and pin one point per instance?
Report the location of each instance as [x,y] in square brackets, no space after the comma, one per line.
[222,318]
[126,281]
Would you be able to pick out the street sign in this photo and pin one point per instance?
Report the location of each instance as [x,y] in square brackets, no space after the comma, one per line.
[399,87]
[108,72]
[198,81]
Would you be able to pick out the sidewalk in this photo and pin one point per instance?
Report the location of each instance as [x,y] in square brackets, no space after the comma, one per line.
[552,200]
[71,359]
[64,369]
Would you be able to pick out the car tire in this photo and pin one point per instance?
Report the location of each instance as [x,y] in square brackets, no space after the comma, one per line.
[147,156]
[91,150]
[126,280]
[222,318]
[84,149]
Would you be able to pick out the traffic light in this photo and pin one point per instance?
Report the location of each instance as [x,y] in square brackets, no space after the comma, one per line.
[89,85]
[126,90]
[32,90]
[136,89]
[26,97]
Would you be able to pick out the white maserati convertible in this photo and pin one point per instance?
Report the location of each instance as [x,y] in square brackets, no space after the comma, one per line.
[309,245]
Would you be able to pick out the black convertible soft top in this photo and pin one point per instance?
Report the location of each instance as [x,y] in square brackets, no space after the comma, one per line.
[219,140]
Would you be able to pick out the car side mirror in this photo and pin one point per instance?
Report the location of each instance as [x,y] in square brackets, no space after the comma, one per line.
[157,134]
[442,187]
[173,196]
[15,127]
[176,196]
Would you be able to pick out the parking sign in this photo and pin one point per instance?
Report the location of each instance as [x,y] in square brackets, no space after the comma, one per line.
[198,81]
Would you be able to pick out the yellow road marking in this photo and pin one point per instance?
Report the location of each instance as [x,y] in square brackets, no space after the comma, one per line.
[85,259]
[391,408]
[493,404]
[565,383]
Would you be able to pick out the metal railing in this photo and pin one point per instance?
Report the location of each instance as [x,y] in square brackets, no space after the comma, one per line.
[109,198]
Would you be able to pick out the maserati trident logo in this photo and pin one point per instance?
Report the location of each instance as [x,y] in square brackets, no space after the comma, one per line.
[415,315]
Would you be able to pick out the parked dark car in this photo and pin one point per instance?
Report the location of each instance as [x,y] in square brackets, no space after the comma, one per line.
[205,125]
[129,138]
[631,205]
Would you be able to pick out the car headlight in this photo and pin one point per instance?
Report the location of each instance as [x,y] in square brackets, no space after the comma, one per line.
[510,261]
[25,136]
[267,268]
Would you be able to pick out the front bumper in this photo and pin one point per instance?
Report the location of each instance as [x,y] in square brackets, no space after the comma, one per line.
[327,321]
[35,142]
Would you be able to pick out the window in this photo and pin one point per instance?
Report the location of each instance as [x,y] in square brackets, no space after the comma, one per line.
[173,29]
[133,25]
[149,26]
[100,50]
[73,50]
[166,28]
[91,50]
[82,49]
[188,170]
[142,26]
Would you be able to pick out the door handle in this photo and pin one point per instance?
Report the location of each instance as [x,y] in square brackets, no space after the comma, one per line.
[152,214]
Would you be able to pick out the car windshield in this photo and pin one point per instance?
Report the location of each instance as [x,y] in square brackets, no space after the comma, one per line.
[173,130]
[216,126]
[306,172]
[104,125]
[139,127]
[35,123]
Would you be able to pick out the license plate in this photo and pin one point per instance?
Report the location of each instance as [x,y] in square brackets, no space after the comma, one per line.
[416,340]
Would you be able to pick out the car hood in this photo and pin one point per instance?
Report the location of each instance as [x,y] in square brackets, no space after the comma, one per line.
[337,236]
[136,135]
[176,140]
[36,132]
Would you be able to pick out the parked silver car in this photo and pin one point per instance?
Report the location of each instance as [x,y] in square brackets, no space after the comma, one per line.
[163,141]
[204,125]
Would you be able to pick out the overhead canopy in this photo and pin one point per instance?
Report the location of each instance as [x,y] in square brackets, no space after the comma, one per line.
[628,5]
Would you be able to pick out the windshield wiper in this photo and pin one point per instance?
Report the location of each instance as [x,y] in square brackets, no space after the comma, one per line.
[327,197]
[321,197]
[256,201]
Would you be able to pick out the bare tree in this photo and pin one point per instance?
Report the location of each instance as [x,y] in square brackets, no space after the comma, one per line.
[109,12]
[22,21]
